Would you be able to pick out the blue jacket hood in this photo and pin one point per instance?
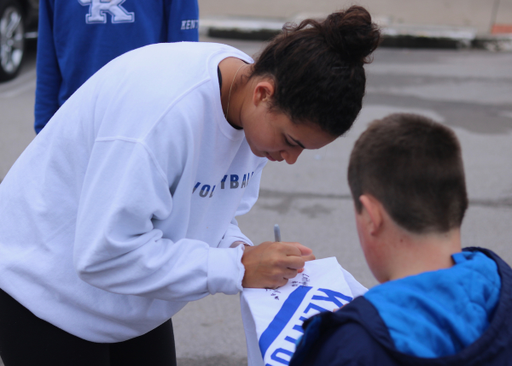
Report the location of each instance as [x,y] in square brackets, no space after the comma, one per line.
[357,335]
[439,313]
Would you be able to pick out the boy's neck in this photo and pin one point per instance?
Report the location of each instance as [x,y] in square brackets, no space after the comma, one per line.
[416,254]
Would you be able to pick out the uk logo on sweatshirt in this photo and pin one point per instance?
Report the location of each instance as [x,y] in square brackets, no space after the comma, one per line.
[99,10]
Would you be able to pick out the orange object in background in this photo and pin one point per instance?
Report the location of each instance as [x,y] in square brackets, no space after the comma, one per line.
[501,28]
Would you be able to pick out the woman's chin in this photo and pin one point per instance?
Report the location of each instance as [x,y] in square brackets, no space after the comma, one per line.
[267,155]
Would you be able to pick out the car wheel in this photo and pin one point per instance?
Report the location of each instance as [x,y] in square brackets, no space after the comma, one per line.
[12,41]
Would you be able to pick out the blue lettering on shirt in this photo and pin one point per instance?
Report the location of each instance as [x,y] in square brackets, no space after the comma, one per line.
[189,24]
[98,10]
[282,355]
[234,183]
[204,190]
[223,181]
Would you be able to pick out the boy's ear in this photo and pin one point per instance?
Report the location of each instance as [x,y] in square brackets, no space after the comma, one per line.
[263,90]
[373,210]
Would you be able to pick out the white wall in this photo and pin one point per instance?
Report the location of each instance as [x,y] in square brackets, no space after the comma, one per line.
[479,14]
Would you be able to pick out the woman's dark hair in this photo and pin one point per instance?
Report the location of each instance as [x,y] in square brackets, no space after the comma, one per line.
[413,167]
[317,68]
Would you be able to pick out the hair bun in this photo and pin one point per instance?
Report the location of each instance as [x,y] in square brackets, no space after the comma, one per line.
[351,33]
[317,68]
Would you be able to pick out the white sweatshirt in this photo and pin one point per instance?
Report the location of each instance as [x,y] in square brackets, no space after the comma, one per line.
[123,209]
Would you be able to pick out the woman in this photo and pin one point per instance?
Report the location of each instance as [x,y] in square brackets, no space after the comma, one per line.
[123,208]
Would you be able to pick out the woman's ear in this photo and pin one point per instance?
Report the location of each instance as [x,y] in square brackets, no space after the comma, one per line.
[373,212]
[263,91]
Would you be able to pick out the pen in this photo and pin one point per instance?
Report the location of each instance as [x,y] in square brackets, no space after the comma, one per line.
[277,233]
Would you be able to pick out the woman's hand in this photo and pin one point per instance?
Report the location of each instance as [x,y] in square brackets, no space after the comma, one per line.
[271,264]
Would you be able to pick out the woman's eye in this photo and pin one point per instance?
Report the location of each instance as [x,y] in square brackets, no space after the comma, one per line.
[289,143]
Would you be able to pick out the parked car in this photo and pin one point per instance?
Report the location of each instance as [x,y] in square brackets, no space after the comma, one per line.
[18,22]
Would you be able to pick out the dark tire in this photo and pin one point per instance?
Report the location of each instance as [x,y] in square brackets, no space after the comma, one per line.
[12,39]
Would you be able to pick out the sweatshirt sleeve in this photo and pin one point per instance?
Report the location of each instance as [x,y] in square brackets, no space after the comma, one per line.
[117,246]
[183,20]
[49,78]
[234,234]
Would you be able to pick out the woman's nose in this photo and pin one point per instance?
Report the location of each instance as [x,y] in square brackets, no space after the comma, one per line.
[291,155]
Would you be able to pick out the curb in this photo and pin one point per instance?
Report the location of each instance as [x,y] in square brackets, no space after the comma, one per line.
[393,36]
[495,43]
[240,28]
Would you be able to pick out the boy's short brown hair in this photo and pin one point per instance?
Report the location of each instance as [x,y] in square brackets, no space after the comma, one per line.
[413,166]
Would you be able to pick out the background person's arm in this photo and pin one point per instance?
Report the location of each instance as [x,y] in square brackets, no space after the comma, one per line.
[49,78]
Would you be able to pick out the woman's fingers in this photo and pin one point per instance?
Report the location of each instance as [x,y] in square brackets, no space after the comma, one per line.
[271,264]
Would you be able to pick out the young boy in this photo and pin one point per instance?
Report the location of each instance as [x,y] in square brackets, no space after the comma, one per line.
[436,304]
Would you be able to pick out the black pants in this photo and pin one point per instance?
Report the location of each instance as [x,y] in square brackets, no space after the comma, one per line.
[26,340]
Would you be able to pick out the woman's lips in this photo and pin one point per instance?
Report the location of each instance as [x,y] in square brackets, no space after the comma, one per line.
[270,157]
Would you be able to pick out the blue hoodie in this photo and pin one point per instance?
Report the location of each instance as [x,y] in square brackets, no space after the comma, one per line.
[457,316]
[78,37]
